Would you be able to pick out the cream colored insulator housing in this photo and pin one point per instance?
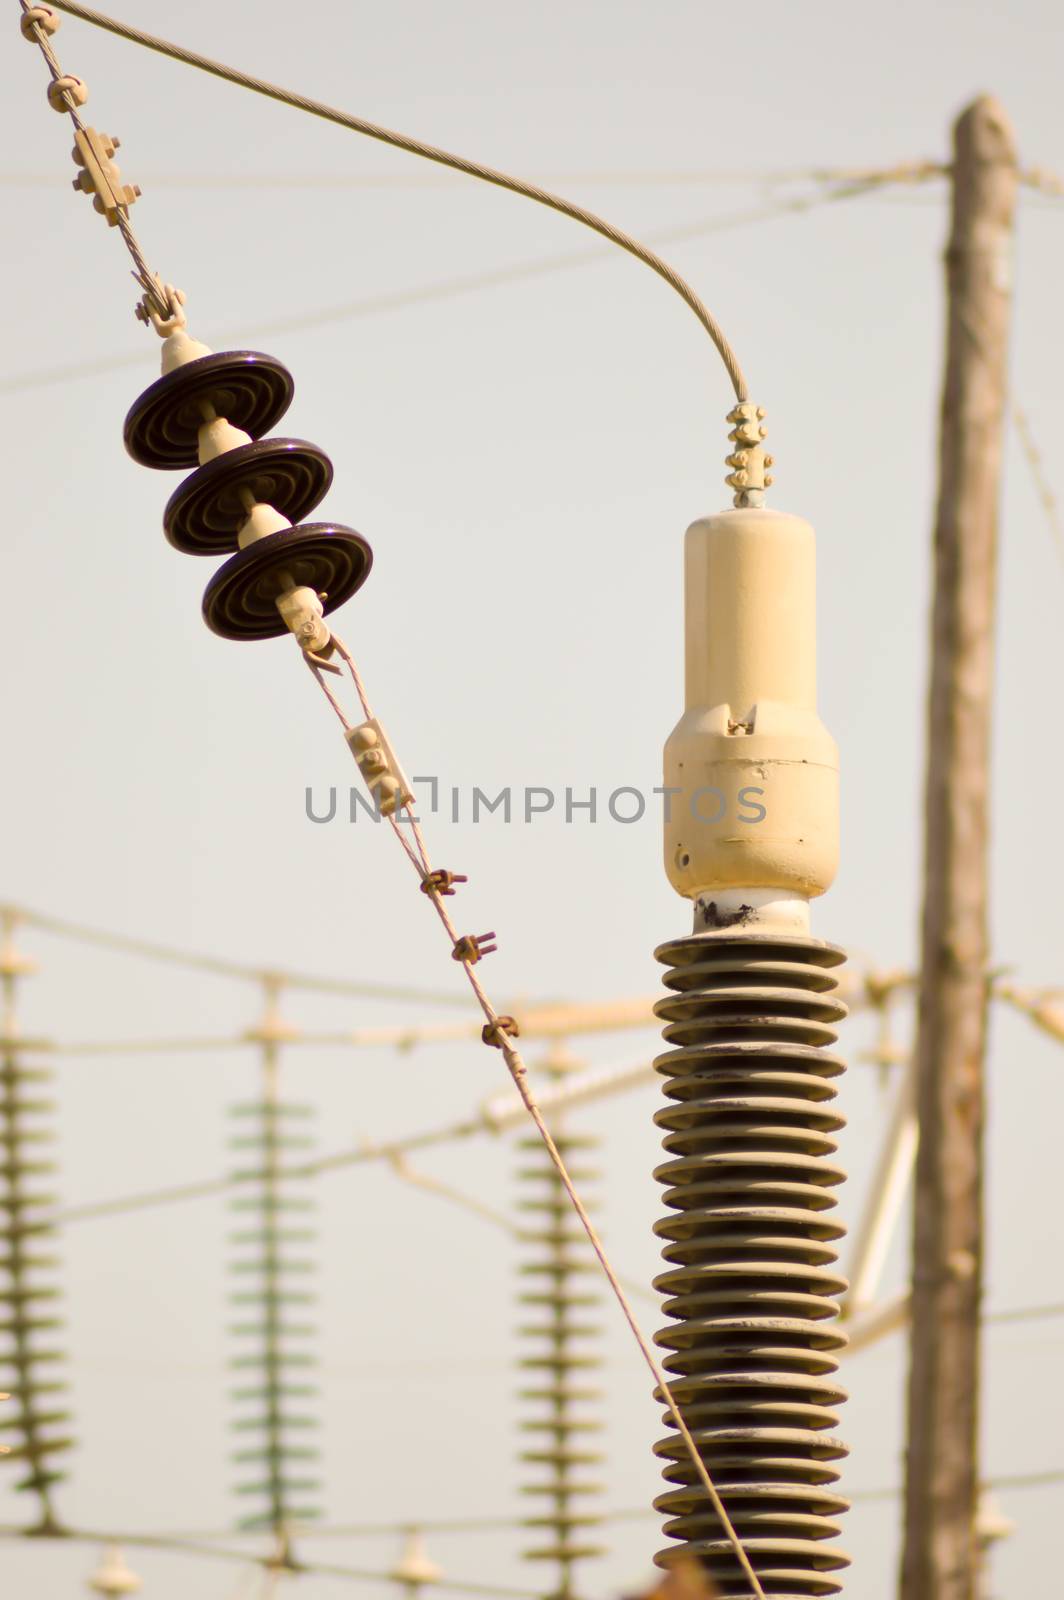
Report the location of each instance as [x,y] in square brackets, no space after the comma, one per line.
[755,772]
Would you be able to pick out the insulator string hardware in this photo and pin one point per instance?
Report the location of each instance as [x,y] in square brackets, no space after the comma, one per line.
[379,766]
[98,176]
[445,158]
[441,881]
[247,498]
[749,476]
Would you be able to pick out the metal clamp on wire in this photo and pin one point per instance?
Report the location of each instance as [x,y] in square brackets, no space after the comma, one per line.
[441,882]
[749,461]
[494,1033]
[379,766]
[473,947]
[99,175]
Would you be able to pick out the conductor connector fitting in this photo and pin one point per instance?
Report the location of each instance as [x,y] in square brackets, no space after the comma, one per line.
[67,93]
[473,947]
[385,778]
[749,461]
[173,322]
[303,615]
[441,882]
[100,177]
[503,1028]
[42,17]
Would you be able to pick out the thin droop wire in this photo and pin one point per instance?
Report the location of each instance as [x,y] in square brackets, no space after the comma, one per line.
[430,152]
[156,294]
[419,858]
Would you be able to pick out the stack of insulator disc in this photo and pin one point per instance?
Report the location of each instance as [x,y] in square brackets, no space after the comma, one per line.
[750,1249]
[204,516]
[273,1294]
[560,1275]
[34,1421]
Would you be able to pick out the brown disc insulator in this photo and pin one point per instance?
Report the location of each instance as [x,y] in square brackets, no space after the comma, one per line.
[248,389]
[240,600]
[204,516]
[749,1244]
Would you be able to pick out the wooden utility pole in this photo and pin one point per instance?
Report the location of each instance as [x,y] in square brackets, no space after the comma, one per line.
[940,1559]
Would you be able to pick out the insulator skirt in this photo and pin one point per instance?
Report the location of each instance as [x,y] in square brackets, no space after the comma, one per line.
[749,1244]
[204,516]
[251,390]
[239,602]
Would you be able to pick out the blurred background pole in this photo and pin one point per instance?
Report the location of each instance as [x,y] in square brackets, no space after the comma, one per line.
[940,1557]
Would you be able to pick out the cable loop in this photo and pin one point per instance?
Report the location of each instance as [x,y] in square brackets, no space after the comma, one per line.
[445,158]
[165,321]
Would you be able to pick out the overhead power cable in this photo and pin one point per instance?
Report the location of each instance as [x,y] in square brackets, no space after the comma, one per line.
[673,177]
[188,1547]
[550,1021]
[446,158]
[222,967]
[466,283]
[495,1116]
[198,1542]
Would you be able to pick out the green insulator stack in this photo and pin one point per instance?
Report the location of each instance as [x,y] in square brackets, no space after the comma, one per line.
[272,1272]
[34,1422]
[557,1415]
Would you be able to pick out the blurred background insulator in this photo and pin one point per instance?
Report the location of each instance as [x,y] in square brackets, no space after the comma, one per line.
[559,1290]
[272,1273]
[34,1422]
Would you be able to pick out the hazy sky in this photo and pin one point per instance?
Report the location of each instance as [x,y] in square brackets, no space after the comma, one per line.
[524,458]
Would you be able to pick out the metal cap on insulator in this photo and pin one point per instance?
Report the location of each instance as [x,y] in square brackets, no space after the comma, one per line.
[751,773]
